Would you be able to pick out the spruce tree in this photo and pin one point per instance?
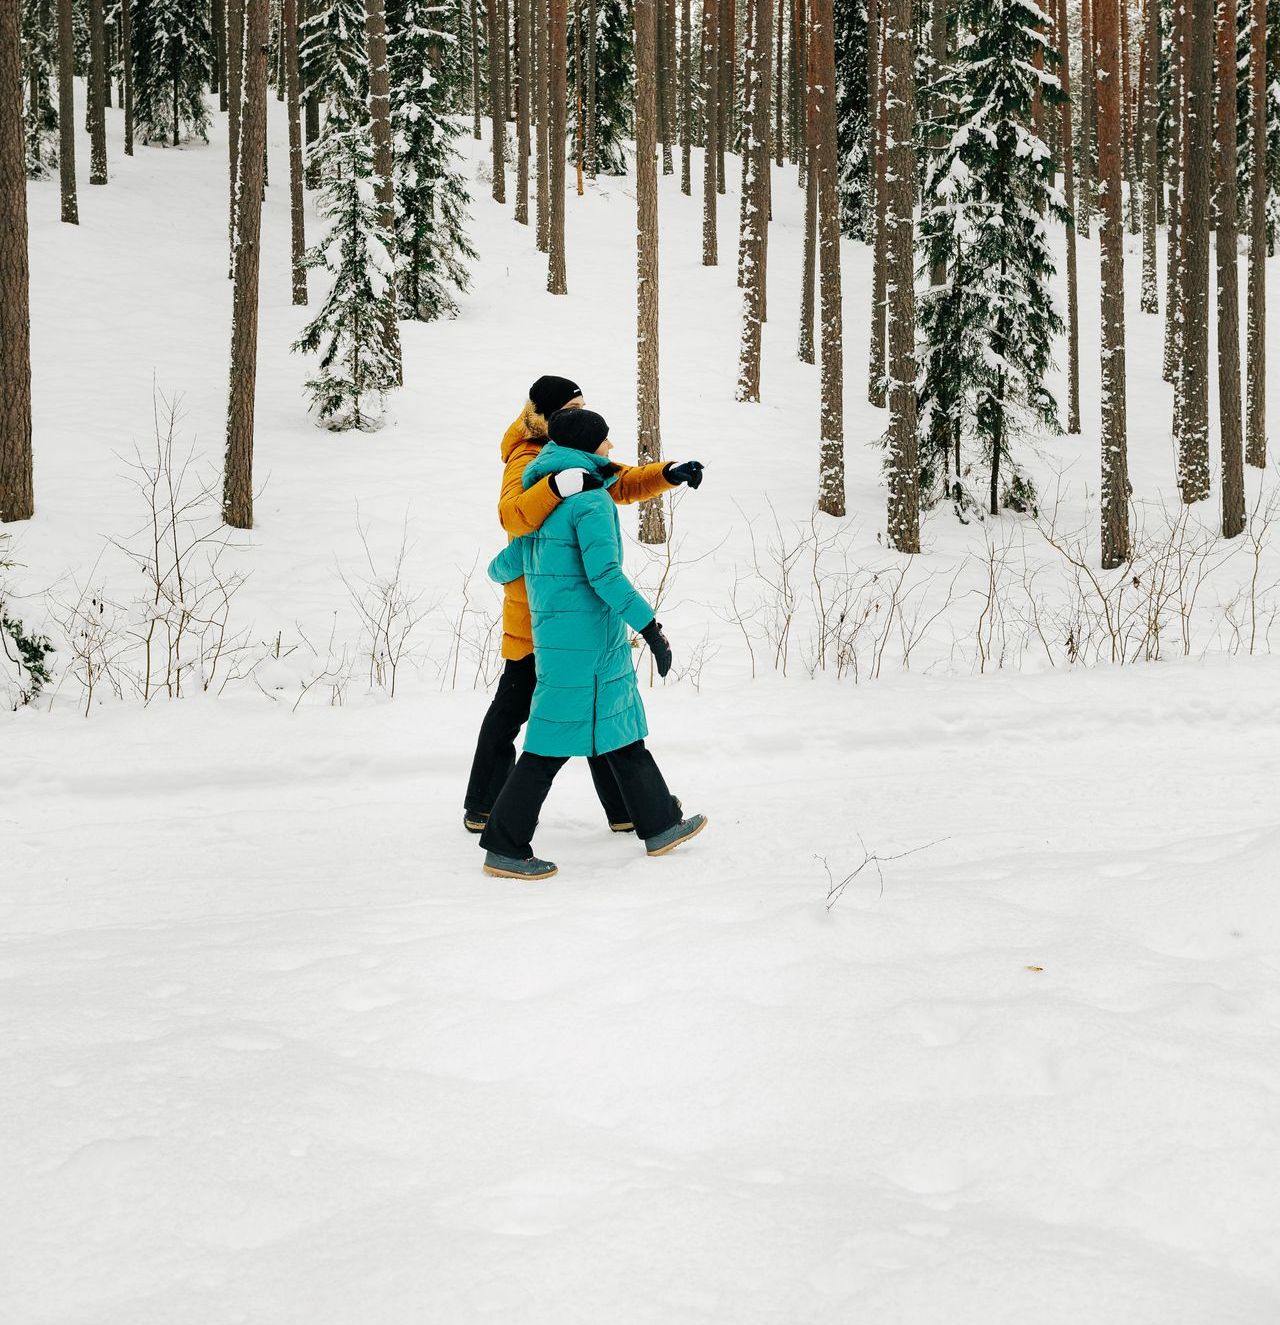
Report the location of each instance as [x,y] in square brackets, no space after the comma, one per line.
[853,126]
[615,85]
[172,65]
[357,365]
[987,333]
[357,368]
[432,246]
[38,57]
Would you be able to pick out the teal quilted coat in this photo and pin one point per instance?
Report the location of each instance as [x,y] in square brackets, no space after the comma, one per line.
[587,701]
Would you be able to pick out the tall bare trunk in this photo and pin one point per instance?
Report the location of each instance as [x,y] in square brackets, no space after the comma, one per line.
[473,16]
[126,65]
[1150,156]
[756,214]
[1084,220]
[649,431]
[1173,239]
[822,74]
[67,113]
[297,222]
[711,99]
[97,94]
[497,110]
[235,95]
[686,97]
[1069,183]
[1257,352]
[1126,119]
[375,29]
[17,495]
[779,87]
[557,280]
[523,19]
[1193,415]
[542,91]
[1115,445]
[1226,244]
[237,490]
[938,52]
[879,275]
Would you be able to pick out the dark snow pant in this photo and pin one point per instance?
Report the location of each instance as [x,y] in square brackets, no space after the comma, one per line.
[650,805]
[496,749]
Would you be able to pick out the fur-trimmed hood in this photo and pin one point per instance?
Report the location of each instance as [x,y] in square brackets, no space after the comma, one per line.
[530,429]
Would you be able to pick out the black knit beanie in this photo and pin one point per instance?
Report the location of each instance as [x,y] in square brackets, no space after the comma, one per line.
[552,393]
[581,429]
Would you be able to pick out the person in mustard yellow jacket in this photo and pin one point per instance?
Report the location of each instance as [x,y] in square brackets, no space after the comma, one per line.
[521,511]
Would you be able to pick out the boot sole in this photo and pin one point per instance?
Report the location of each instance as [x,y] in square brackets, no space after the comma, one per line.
[495,872]
[688,837]
[474,828]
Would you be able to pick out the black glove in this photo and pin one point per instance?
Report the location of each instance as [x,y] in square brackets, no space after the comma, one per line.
[689,472]
[658,646]
[574,480]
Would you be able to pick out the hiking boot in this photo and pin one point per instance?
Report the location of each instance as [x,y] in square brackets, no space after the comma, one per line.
[677,833]
[474,820]
[511,867]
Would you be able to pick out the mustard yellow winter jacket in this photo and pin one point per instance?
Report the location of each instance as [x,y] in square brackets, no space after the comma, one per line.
[521,510]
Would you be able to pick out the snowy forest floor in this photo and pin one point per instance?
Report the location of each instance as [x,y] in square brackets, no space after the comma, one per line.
[273,1049]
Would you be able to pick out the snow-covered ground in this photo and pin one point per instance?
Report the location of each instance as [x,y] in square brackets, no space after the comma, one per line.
[275,1051]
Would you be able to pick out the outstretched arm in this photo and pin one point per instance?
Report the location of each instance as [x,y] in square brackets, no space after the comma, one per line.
[640,483]
[594,526]
[508,565]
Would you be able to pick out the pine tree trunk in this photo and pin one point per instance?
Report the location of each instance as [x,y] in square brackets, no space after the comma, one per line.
[1193,420]
[1088,82]
[1130,174]
[649,430]
[557,280]
[876,362]
[800,94]
[126,63]
[497,113]
[728,85]
[1150,155]
[297,224]
[822,75]
[542,10]
[779,88]
[237,492]
[17,497]
[523,19]
[593,127]
[476,131]
[67,113]
[1226,246]
[1069,185]
[1115,445]
[898,60]
[235,90]
[873,103]
[805,349]
[664,86]
[503,52]
[686,98]
[1173,239]
[1257,352]
[756,223]
[98,94]
[218,21]
[744,188]
[711,99]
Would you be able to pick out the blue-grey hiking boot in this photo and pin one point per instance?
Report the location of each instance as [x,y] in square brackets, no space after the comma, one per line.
[511,867]
[677,833]
[626,826]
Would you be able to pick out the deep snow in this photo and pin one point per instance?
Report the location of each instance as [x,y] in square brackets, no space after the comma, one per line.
[274,1051]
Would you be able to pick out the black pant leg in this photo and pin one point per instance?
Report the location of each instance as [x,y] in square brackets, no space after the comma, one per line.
[496,746]
[606,784]
[649,801]
[514,817]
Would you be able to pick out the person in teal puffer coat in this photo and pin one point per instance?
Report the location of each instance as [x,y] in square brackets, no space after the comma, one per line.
[586,701]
